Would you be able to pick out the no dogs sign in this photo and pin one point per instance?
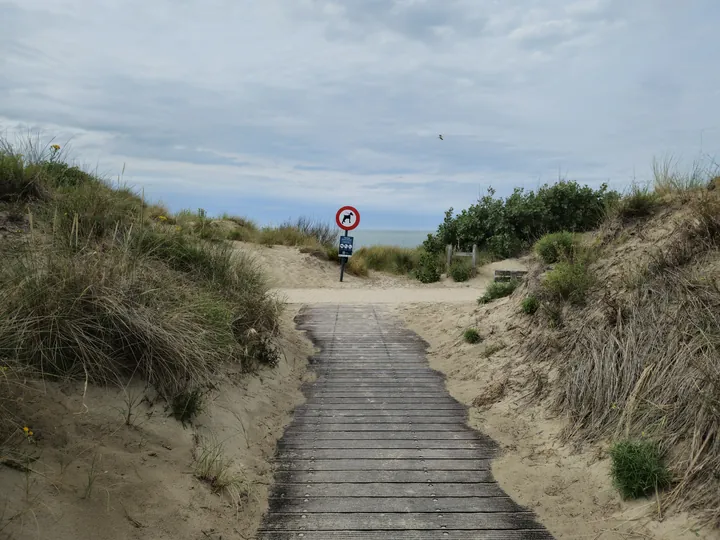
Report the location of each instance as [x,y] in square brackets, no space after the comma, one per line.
[347,218]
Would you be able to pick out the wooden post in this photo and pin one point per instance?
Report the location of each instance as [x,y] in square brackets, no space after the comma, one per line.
[474,256]
[449,257]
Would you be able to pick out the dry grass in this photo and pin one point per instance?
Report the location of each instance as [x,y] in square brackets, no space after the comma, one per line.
[642,364]
[218,472]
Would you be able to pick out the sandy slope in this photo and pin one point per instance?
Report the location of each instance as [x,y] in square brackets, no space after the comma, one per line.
[570,489]
[142,476]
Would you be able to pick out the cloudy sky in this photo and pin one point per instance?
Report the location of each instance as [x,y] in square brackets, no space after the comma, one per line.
[277,108]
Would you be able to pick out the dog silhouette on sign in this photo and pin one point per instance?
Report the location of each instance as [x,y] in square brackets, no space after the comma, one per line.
[347,217]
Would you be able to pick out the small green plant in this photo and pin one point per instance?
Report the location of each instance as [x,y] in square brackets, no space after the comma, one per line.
[498,289]
[92,476]
[638,469]
[471,336]
[461,271]
[187,405]
[569,281]
[530,305]
[555,247]
[428,270]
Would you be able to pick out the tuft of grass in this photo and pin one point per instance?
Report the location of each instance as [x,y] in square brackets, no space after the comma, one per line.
[217,471]
[186,405]
[498,289]
[391,259]
[638,469]
[568,281]
[555,247]
[471,335]
[302,232]
[640,202]
[461,271]
[357,267]
[669,179]
[530,305]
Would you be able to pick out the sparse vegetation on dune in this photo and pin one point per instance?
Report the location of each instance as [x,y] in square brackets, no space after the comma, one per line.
[102,287]
[636,337]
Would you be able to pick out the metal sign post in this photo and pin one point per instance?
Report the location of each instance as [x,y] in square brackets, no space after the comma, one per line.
[347,218]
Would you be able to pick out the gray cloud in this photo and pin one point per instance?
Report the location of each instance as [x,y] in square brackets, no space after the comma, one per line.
[233,97]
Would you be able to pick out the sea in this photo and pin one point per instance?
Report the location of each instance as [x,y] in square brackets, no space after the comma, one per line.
[405,239]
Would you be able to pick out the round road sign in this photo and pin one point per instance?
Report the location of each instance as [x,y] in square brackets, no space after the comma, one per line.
[347,218]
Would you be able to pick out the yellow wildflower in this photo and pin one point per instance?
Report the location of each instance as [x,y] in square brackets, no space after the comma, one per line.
[26,429]
[55,147]
[162,218]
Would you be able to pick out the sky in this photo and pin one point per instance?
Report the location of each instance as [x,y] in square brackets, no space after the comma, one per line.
[274,109]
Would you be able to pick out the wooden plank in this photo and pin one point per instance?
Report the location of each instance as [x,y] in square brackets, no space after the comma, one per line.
[385,454]
[300,434]
[375,476]
[384,489]
[376,504]
[304,444]
[332,521]
[517,534]
[341,465]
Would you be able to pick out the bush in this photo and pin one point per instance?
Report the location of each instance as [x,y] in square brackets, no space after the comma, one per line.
[555,247]
[505,227]
[568,281]
[471,336]
[428,270]
[530,305]
[461,271]
[637,468]
[498,289]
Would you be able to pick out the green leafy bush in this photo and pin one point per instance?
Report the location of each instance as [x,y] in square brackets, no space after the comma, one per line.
[505,227]
[638,469]
[498,289]
[530,305]
[461,271]
[471,336]
[568,281]
[555,247]
[428,270]
[640,202]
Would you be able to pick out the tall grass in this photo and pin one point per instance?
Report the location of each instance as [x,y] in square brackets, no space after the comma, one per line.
[105,289]
[391,259]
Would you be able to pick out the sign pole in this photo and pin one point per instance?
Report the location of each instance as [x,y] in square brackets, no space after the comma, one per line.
[342,263]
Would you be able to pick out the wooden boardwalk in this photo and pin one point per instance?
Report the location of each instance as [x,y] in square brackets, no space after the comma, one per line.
[380,450]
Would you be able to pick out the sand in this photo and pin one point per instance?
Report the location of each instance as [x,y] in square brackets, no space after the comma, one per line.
[142,475]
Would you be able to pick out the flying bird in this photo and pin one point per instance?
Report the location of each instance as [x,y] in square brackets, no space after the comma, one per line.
[440,137]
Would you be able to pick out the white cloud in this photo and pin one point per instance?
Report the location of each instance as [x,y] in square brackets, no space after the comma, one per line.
[309,95]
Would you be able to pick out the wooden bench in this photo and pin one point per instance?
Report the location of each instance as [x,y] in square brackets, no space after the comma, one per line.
[509,275]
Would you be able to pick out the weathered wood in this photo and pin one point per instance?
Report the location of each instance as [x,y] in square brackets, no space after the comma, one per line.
[380,450]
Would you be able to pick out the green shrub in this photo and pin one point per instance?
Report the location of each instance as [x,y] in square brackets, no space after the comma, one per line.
[461,271]
[507,226]
[16,182]
[471,336]
[640,202]
[638,469]
[530,305]
[187,405]
[555,247]
[428,270]
[568,281]
[498,289]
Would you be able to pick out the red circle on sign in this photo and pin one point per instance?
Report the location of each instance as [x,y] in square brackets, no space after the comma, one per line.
[347,210]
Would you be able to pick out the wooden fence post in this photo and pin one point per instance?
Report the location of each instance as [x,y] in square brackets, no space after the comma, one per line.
[474,256]
[449,258]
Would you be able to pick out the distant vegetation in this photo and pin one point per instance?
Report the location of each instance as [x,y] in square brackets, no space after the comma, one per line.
[507,227]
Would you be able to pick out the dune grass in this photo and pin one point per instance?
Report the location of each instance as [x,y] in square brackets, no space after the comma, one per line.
[103,286]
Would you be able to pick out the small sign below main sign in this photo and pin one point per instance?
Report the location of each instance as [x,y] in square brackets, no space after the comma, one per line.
[346,246]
